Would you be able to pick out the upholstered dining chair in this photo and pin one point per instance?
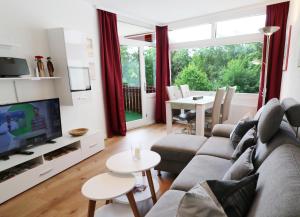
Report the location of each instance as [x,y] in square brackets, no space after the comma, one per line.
[215,117]
[227,103]
[174,93]
[185,90]
[187,117]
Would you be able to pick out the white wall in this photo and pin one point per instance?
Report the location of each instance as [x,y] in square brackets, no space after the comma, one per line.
[290,86]
[25,23]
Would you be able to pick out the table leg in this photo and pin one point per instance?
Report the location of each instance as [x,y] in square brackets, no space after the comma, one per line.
[92,206]
[169,117]
[200,119]
[132,203]
[151,186]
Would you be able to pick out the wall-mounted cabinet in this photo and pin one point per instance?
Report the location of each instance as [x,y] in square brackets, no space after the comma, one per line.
[69,52]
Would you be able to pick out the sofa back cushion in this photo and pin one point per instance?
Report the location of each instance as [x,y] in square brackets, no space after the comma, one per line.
[269,121]
[292,111]
[278,187]
[283,136]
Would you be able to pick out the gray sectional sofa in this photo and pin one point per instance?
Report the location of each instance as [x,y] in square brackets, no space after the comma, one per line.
[197,159]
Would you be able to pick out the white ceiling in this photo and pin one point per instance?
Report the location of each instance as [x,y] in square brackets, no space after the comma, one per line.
[166,11]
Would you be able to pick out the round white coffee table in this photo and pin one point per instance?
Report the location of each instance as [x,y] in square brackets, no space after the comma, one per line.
[123,163]
[108,186]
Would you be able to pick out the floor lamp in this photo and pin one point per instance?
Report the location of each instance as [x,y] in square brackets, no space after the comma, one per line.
[267,31]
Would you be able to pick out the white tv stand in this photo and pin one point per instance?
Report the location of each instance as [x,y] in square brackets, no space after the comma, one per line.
[46,161]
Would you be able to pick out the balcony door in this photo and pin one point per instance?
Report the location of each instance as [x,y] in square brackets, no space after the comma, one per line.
[137,87]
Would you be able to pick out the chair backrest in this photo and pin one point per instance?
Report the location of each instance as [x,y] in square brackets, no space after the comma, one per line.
[216,110]
[227,103]
[185,90]
[173,92]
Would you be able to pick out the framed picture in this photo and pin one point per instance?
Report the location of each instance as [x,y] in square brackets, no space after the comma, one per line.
[287,49]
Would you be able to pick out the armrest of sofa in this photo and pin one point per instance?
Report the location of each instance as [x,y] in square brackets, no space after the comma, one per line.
[223,130]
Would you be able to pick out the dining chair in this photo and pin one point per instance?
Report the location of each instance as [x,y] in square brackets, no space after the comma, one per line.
[214,118]
[174,93]
[186,117]
[227,103]
[185,90]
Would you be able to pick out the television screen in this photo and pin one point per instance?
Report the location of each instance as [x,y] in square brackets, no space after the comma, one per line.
[28,123]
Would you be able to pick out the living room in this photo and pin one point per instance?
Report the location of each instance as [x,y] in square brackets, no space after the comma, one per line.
[111,108]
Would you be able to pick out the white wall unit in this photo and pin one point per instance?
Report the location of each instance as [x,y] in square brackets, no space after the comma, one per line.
[27,27]
[68,50]
[49,160]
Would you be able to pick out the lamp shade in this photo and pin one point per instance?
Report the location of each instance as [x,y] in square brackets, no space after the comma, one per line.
[269,30]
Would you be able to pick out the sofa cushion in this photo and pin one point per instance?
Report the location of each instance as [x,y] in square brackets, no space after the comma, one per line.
[178,147]
[269,120]
[167,205]
[222,130]
[240,130]
[236,197]
[248,140]
[278,187]
[201,168]
[218,147]
[292,111]
[242,167]
[282,136]
[200,201]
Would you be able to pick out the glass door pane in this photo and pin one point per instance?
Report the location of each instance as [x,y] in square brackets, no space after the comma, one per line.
[130,59]
[150,68]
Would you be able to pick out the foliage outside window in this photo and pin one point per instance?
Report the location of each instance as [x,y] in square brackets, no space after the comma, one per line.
[209,68]
[130,66]
[150,68]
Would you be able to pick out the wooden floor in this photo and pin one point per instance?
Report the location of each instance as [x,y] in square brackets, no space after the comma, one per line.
[60,196]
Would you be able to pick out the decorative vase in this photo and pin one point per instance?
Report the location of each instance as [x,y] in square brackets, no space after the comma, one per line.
[50,67]
[40,66]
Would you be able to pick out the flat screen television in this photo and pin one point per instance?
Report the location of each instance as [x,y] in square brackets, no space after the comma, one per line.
[27,124]
[13,67]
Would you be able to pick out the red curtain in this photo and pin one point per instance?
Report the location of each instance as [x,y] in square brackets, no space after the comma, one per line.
[162,72]
[111,74]
[277,15]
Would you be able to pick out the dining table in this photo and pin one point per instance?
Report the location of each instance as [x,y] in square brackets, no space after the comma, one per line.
[197,103]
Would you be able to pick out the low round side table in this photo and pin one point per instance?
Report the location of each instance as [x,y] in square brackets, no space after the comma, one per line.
[123,163]
[108,186]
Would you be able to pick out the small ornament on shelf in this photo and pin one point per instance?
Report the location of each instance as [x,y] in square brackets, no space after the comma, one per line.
[40,66]
[50,67]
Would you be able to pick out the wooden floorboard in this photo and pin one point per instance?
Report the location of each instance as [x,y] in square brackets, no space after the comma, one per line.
[60,196]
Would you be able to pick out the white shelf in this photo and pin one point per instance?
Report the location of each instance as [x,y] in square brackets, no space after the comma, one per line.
[29,78]
[8,45]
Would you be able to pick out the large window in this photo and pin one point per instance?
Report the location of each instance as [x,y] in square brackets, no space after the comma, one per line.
[212,67]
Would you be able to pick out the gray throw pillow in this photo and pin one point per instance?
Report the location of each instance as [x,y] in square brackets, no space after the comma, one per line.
[200,202]
[248,140]
[240,130]
[219,198]
[242,167]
